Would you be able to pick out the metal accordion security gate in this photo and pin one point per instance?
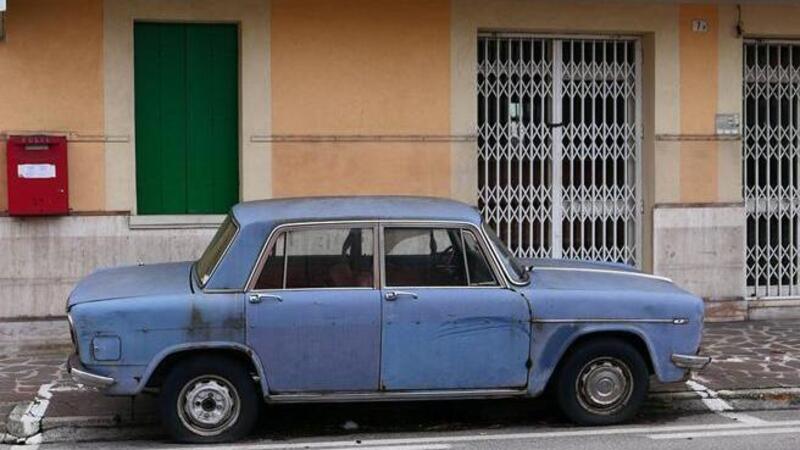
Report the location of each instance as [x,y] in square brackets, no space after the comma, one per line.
[559,141]
[770,167]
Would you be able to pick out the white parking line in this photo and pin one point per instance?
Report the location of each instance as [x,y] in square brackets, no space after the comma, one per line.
[746,419]
[398,447]
[583,432]
[710,434]
[711,399]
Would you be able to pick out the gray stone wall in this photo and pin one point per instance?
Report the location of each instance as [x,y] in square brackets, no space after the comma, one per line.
[42,258]
[701,247]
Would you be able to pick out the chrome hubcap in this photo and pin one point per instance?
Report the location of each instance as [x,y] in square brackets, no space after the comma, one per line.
[604,385]
[208,405]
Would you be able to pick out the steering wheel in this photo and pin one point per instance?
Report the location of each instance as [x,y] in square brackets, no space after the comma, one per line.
[447,259]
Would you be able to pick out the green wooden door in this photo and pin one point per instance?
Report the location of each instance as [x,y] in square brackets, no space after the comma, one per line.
[186,81]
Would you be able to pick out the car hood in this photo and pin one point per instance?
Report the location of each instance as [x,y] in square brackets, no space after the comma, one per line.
[133,281]
[596,276]
[578,290]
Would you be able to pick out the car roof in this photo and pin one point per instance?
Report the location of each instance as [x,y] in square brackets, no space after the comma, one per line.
[304,209]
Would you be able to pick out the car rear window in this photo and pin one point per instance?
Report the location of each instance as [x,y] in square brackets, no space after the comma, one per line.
[206,264]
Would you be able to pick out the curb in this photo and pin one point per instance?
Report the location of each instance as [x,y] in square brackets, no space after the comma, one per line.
[738,399]
[735,394]
[15,349]
[79,428]
[760,394]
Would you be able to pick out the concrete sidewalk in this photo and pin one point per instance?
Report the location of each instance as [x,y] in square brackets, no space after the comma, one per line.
[756,366]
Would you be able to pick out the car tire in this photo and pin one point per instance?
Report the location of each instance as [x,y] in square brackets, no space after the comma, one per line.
[602,382]
[209,400]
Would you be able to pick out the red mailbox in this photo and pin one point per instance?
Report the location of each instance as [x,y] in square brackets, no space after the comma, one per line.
[37,175]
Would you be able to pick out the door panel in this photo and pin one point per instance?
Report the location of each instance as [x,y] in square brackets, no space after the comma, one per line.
[317,328]
[455,338]
[318,340]
[463,330]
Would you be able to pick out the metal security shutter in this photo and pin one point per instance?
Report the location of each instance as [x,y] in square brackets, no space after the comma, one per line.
[770,167]
[187,117]
[558,145]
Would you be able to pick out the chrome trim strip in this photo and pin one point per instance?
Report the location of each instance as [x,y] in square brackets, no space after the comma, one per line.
[222,291]
[81,375]
[606,271]
[443,287]
[347,397]
[695,362]
[669,321]
[72,334]
[356,288]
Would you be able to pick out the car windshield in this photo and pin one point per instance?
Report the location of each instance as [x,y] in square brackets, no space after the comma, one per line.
[205,265]
[511,264]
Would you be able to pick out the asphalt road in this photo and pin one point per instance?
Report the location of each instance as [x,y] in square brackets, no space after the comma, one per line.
[772,430]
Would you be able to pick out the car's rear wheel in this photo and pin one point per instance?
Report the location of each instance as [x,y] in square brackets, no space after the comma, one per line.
[208,400]
[602,382]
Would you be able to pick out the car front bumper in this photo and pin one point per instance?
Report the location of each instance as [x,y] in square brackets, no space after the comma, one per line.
[694,362]
[82,375]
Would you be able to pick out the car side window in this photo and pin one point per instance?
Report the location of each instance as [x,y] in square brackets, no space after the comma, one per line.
[424,257]
[319,258]
[478,268]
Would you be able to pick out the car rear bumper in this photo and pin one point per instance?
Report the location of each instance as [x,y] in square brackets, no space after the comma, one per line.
[694,362]
[82,375]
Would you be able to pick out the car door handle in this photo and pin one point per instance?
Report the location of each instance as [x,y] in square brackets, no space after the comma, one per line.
[258,298]
[394,295]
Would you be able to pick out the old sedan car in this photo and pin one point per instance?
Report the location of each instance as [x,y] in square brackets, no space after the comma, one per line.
[374,298]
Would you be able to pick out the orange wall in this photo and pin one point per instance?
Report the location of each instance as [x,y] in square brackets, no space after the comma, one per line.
[365,67]
[698,88]
[51,79]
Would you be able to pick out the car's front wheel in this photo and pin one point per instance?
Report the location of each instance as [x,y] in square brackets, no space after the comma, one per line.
[602,382]
[208,400]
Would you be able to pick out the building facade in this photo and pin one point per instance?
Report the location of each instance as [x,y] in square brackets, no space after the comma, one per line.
[654,133]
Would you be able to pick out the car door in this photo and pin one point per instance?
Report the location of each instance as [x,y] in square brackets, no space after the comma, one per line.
[314,311]
[449,320]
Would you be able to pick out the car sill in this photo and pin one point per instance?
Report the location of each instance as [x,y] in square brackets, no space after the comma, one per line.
[347,397]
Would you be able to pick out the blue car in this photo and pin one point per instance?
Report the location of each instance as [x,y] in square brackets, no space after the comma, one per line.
[347,299]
